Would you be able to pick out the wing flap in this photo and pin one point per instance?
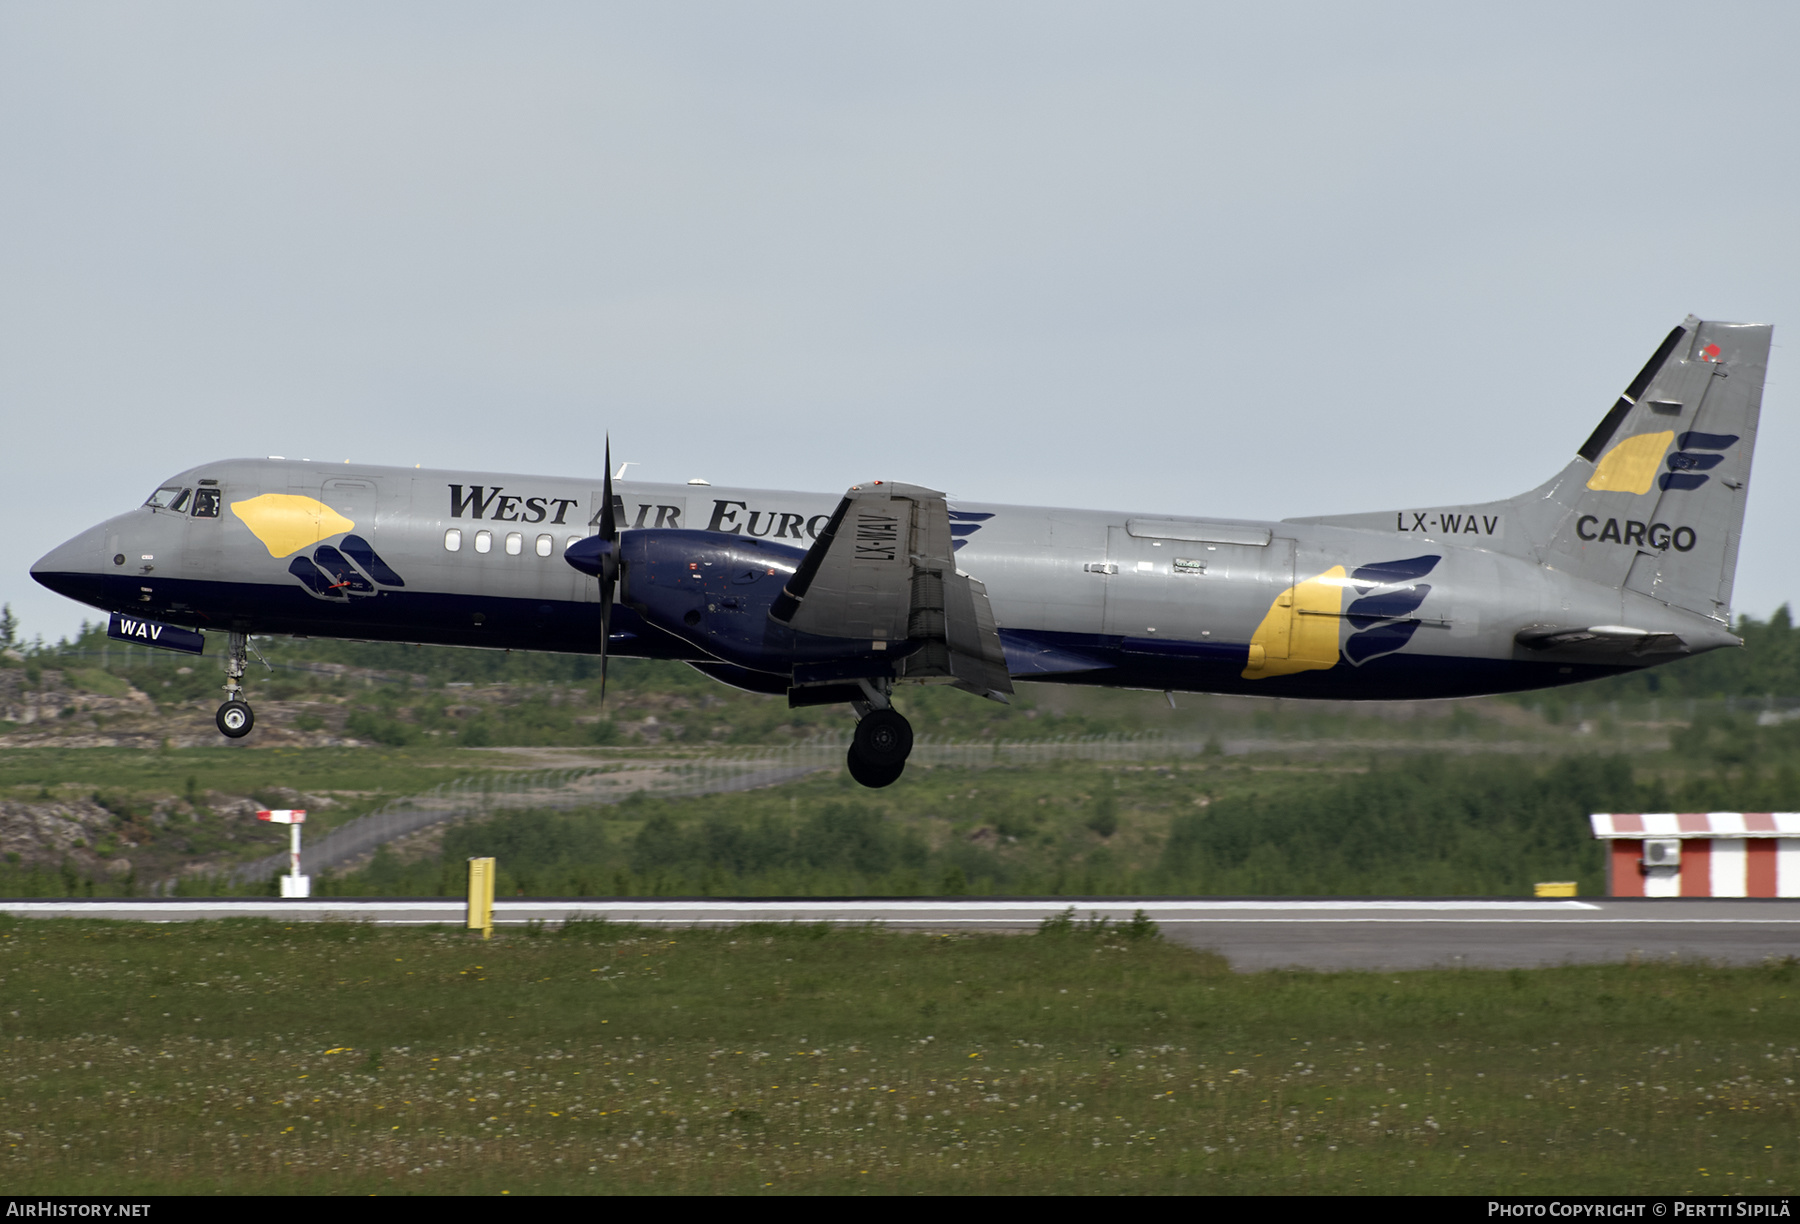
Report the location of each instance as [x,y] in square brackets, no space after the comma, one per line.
[882,572]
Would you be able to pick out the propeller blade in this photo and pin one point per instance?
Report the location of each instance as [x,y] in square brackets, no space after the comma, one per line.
[609,527]
[605,640]
[607,569]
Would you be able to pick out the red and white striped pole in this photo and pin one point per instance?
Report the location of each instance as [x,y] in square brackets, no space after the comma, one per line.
[293,884]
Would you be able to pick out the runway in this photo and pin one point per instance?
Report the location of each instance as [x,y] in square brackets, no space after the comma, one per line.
[1253,933]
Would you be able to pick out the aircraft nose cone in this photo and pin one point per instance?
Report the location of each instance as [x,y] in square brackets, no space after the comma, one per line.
[75,568]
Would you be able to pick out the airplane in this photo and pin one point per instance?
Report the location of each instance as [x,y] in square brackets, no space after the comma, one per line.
[1623,560]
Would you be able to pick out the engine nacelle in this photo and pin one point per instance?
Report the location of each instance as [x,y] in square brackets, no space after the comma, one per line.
[714,591]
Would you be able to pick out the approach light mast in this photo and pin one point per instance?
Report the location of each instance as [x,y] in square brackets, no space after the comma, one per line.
[293,884]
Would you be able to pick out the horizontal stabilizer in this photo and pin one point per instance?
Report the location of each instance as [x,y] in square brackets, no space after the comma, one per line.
[1602,642]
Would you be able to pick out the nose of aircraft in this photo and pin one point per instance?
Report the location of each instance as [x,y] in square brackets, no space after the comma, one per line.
[75,567]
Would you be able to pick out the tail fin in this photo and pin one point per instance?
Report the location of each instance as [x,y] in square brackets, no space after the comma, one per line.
[1654,500]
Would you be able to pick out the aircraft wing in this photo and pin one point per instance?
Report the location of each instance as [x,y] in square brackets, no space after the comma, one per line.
[882,571]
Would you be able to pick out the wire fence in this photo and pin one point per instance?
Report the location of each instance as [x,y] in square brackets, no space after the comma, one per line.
[748,769]
[595,786]
[467,798]
[126,656]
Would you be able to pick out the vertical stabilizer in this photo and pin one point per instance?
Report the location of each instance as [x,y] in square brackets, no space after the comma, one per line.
[1653,501]
[1656,498]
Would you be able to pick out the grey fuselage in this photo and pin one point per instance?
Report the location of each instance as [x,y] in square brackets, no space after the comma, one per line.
[1401,605]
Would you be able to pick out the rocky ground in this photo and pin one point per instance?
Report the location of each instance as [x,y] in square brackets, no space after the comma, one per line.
[44,707]
[98,834]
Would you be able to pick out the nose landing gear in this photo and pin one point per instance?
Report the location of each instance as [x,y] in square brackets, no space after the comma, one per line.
[883,740]
[235,717]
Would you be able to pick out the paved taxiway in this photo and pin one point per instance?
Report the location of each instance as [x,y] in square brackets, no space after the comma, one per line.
[1251,933]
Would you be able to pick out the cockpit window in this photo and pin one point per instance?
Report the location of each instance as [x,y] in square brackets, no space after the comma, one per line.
[206,503]
[170,497]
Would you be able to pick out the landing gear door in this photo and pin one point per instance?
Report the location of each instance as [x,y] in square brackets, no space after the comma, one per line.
[597,502]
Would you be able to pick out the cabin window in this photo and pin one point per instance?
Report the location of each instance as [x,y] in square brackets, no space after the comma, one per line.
[573,540]
[515,543]
[206,503]
[453,540]
[544,545]
[484,541]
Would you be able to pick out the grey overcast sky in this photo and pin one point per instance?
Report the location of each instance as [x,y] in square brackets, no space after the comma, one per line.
[1250,260]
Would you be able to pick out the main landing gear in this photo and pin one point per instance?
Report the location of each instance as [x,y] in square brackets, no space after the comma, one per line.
[883,740]
[235,717]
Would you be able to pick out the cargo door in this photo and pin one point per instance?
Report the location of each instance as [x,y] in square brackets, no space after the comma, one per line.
[1137,587]
[640,513]
[349,557]
[355,499]
[1185,581]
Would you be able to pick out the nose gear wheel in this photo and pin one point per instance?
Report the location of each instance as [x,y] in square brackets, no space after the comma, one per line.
[235,718]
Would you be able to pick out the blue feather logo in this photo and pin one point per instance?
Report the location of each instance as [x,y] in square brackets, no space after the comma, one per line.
[1382,617]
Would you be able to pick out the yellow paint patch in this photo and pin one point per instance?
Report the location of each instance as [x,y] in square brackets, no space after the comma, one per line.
[1300,632]
[288,522]
[1630,467]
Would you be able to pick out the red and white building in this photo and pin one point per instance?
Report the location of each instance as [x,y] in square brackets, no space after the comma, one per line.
[1701,854]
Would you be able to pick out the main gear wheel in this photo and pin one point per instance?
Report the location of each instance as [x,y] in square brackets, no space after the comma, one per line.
[883,738]
[872,775]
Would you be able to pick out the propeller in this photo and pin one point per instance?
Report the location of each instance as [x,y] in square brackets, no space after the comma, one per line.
[609,566]
[598,555]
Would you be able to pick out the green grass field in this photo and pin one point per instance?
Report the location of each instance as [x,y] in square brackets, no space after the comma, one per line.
[251,1057]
